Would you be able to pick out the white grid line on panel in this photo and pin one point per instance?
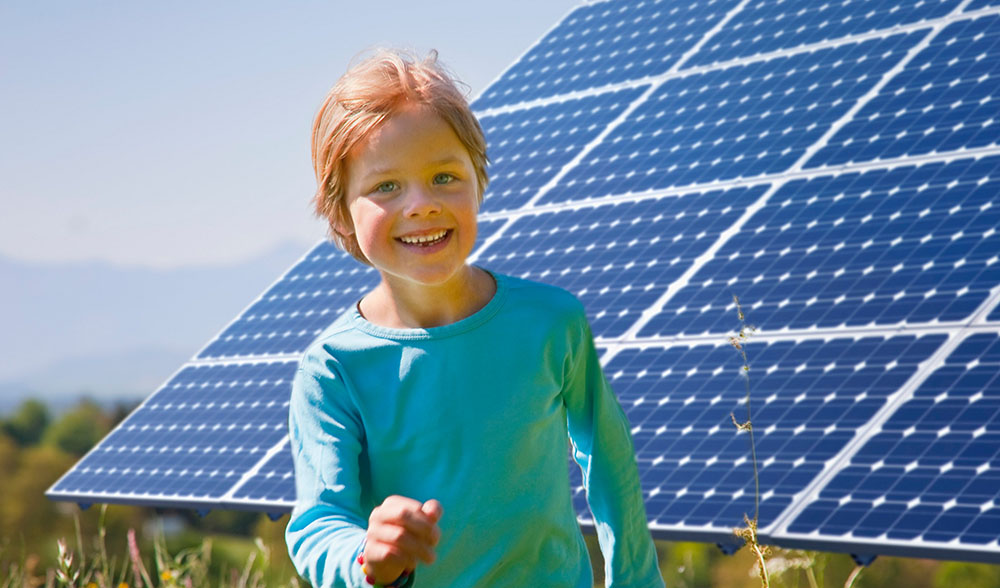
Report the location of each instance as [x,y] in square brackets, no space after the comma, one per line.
[837,463]
[249,474]
[490,241]
[798,336]
[675,73]
[734,229]
[802,174]
[245,359]
[979,317]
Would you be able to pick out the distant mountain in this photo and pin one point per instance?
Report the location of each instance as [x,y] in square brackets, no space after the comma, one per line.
[114,331]
[128,377]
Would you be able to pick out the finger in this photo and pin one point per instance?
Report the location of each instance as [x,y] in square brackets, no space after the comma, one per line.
[433,509]
[394,505]
[401,546]
[386,562]
[406,513]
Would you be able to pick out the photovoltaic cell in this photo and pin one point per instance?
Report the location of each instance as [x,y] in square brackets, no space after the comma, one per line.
[617,258]
[738,122]
[606,43]
[774,25]
[931,472]
[192,440]
[946,100]
[528,147]
[814,394]
[883,247]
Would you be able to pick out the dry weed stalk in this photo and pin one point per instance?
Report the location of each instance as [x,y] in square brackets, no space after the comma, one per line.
[748,533]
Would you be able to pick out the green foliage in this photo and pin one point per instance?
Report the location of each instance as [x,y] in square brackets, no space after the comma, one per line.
[687,565]
[28,423]
[952,573]
[79,429]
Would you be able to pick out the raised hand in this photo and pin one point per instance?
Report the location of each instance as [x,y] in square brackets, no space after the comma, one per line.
[401,532]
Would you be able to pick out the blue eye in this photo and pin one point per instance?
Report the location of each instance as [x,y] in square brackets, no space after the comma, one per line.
[385,187]
[444,178]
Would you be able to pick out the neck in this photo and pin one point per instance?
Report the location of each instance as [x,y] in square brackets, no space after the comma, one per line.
[403,305]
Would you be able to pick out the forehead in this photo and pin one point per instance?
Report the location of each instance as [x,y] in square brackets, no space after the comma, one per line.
[413,137]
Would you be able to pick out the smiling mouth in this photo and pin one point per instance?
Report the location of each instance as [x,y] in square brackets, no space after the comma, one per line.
[426,240]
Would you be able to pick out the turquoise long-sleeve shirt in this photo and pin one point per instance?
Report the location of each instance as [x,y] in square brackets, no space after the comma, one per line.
[476,415]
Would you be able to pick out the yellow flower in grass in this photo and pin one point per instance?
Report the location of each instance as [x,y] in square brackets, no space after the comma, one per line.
[92,585]
[123,585]
[166,576]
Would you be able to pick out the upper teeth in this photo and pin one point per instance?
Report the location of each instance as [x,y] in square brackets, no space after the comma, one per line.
[423,238]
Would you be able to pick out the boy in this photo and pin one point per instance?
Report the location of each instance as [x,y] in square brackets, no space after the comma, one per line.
[429,424]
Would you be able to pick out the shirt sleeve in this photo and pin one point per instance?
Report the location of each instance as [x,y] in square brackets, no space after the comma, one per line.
[602,446]
[327,527]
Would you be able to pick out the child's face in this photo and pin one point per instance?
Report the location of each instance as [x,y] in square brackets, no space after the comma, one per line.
[411,198]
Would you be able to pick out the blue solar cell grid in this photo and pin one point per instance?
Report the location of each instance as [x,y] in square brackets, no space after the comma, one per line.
[811,397]
[995,315]
[946,99]
[617,258]
[274,482]
[912,244]
[738,122]
[774,25]
[195,437]
[306,300]
[528,147]
[932,472]
[606,43]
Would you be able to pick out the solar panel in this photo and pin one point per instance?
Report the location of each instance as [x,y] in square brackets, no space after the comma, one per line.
[835,165]
[194,442]
[929,475]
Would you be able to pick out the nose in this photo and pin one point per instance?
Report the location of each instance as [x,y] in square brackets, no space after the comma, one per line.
[421,201]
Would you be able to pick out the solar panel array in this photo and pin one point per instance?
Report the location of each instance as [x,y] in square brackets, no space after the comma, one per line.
[834,164]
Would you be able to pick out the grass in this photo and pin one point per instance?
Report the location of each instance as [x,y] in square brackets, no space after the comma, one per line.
[91,566]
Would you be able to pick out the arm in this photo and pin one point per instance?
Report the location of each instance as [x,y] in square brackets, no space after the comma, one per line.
[327,527]
[603,449]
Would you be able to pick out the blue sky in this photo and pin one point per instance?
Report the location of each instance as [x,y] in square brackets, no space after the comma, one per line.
[174,134]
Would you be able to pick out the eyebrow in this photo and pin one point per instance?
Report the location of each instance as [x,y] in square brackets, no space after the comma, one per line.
[450,160]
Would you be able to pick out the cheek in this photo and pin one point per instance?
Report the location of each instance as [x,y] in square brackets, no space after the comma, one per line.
[371,226]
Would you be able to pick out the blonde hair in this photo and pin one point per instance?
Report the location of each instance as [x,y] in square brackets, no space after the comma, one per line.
[366,96]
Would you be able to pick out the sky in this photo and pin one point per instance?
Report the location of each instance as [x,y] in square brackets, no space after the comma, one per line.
[175,134]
